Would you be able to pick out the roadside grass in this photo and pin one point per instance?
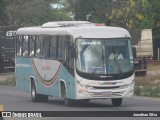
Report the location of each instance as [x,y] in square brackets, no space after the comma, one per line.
[149,85]
[10,81]
[149,91]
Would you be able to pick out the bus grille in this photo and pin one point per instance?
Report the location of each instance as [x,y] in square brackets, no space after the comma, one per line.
[112,87]
[114,94]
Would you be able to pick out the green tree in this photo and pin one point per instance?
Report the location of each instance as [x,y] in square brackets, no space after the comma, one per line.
[2,12]
[91,10]
[33,12]
[152,11]
[136,14]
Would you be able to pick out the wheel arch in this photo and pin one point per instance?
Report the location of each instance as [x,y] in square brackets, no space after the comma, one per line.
[63,88]
[32,80]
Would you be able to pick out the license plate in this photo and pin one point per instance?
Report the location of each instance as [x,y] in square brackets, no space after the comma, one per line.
[107,93]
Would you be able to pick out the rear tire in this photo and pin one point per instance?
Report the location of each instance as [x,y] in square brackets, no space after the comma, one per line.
[37,97]
[116,101]
[67,101]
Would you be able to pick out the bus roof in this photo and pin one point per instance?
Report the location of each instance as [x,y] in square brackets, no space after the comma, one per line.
[77,30]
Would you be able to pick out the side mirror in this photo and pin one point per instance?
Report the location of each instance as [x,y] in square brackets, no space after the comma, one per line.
[72,51]
[134,52]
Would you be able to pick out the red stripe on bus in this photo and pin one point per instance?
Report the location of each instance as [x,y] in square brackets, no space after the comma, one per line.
[41,79]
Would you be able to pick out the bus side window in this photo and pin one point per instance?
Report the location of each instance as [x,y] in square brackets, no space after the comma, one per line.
[62,47]
[32,46]
[45,47]
[53,48]
[19,45]
[25,46]
[38,47]
[71,55]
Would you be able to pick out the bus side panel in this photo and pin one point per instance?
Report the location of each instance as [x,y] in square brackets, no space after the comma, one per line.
[54,89]
[72,89]
[69,82]
[25,69]
[23,72]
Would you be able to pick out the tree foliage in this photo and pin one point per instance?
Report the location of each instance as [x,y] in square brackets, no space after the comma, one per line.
[91,10]
[2,12]
[152,11]
[137,14]
[33,12]
[132,14]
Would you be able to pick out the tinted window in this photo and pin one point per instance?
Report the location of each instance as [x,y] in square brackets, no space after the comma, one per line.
[39,47]
[53,48]
[32,45]
[19,45]
[25,46]
[61,47]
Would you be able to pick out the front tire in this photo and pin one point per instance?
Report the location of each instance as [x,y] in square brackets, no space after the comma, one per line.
[37,97]
[116,101]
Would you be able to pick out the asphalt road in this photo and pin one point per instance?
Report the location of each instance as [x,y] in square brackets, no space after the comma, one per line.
[16,100]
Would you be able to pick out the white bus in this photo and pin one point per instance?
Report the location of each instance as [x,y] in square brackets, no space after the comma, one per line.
[76,61]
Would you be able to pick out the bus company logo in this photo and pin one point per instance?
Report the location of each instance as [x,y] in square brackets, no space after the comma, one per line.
[42,76]
[46,67]
[108,83]
[21,115]
[6,114]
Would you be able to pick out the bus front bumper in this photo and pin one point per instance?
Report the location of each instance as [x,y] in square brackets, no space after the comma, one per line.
[106,93]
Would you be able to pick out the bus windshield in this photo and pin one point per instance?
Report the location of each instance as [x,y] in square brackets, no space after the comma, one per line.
[104,56]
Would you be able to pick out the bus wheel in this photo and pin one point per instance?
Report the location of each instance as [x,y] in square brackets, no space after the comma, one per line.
[37,97]
[116,101]
[67,101]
